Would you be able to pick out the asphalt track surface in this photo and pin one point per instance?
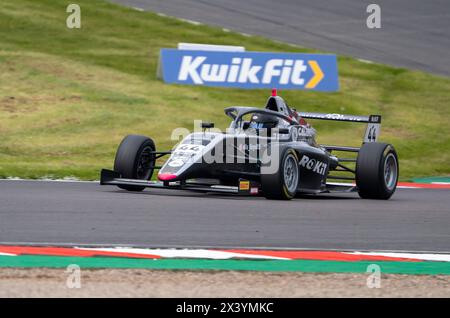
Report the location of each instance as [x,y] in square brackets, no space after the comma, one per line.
[75,213]
[413,34]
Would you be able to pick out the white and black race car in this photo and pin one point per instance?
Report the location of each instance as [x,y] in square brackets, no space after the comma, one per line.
[270,151]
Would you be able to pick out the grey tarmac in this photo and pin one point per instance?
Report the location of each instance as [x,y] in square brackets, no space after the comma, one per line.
[85,213]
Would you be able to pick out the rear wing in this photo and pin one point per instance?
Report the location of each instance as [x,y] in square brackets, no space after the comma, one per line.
[373,122]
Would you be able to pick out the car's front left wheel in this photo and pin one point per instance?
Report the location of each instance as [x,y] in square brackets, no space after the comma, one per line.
[377,171]
[282,184]
[135,159]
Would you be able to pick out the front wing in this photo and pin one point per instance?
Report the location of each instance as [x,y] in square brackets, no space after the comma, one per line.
[110,177]
[245,187]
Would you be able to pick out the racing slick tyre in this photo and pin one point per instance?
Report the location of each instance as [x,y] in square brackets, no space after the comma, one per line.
[282,185]
[377,171]
[135,160]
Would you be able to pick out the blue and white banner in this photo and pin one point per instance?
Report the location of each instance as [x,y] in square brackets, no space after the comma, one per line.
[250,69]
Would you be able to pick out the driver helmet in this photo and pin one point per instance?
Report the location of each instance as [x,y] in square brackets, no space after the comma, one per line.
[267,121]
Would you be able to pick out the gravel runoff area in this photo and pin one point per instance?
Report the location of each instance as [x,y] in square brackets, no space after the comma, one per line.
[43,282]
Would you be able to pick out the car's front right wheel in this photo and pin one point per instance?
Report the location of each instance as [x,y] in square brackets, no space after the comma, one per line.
[135,159]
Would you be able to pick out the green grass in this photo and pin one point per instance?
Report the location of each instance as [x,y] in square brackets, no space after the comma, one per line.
[68,96]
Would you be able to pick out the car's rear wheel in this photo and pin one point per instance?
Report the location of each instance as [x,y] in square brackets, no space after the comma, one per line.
[377,171]
[283,184]
[135,159]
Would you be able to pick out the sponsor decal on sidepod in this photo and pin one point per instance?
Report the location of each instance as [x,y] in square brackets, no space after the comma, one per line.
[313,164]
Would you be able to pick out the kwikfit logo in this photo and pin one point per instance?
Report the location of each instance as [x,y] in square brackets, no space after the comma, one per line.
[313,164]
[242,70]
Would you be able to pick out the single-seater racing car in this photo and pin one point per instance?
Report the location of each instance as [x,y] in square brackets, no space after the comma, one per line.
[270,151]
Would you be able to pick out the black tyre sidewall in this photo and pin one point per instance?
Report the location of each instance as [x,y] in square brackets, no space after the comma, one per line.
[370,171]
[274,185]
[127,156]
